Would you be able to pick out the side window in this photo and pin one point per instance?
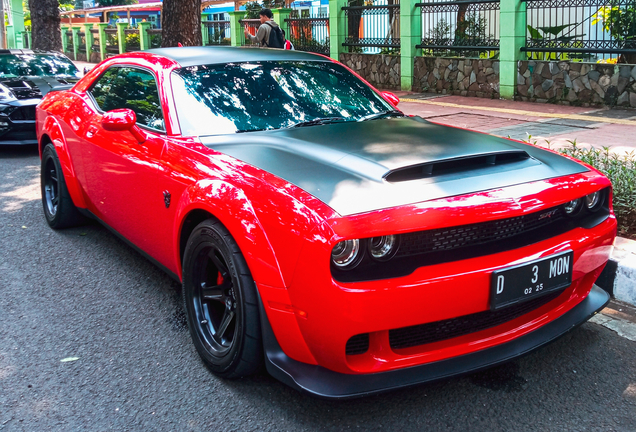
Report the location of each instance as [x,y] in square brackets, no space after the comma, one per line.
[126,87]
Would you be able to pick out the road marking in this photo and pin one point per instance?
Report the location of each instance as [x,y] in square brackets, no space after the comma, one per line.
[526,113]
[623,327]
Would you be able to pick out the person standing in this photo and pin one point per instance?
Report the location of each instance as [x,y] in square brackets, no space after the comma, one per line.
[269,34]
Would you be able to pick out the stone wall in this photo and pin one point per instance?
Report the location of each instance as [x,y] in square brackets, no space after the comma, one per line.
[574,83]
[381,71]
[458,76]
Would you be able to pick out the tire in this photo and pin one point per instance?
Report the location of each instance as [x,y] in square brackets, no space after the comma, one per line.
[59,210]
[221,303]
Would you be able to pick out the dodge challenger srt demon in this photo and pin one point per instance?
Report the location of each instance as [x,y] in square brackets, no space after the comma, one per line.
[25,77]
[315,227]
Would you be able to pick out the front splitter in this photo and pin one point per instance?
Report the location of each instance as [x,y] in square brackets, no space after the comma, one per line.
[324,383]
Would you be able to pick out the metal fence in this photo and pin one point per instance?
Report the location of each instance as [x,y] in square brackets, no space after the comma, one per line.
[218,32]
[112,44]
[308,33]
[95,46]
[252,26]
[462,28]
[132,40]
[373,26]
[581,29]
[69,41]
[154,36]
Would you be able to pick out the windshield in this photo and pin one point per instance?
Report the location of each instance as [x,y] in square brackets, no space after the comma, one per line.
[241,97]
[15,65]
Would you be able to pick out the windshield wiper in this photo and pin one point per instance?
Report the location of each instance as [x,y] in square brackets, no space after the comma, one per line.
[390,113]
[319,121]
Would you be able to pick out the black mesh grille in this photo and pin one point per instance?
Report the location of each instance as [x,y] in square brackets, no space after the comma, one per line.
[23,113]
[407,337]
[358,344]
[476,234]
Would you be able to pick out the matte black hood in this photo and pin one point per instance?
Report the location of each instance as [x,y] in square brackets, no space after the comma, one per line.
[356,167]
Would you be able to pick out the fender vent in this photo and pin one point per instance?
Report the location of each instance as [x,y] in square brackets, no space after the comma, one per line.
[453,166]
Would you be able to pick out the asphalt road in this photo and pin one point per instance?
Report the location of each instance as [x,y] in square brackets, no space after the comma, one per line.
[82,293]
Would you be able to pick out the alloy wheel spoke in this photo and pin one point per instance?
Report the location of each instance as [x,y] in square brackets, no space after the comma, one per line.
[227,320]
[220,265]
[214,292]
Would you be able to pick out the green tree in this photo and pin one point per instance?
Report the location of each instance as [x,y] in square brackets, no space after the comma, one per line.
[620,21]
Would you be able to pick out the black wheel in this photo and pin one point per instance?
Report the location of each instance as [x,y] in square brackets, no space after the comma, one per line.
[59,210]
[220,302]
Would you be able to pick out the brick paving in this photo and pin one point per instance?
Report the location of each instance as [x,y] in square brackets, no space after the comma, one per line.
[547,124]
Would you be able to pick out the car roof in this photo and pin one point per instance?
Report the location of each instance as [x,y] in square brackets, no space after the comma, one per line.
[28,51]
[196,56]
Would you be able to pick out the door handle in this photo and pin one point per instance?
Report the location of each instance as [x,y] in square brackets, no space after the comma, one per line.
[91,131]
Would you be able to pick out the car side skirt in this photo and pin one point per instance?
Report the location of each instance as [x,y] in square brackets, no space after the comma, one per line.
[323,383]
[91,215]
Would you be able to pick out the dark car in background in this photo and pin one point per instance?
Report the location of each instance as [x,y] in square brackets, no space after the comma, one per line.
[25,78]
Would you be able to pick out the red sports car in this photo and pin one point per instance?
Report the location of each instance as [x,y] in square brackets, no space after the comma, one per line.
[317,228]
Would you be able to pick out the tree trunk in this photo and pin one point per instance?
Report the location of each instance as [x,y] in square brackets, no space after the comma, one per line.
[353,24]
[460,32]
[45,24]
[181,23]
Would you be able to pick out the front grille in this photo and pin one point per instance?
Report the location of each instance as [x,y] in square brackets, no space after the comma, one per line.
[23,113]
[358,344]
[464,236]
[407,337]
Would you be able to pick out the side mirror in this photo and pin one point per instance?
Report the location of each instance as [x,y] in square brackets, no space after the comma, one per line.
[119,120]
[123,119]
[391,98]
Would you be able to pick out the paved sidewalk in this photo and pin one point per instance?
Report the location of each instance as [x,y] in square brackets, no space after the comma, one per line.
[547,124]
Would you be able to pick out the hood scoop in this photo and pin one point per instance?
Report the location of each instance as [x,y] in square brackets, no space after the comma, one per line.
[455,166]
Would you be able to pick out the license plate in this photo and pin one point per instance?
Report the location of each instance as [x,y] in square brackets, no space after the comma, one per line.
[527,281]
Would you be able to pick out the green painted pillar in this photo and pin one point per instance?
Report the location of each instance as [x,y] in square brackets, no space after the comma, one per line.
[280,15]
[235,27]
[29,39]
[88,35]
[144,37]
[17,15]
[63,30]
[10,37]
[102,39]
[121,36]
[76,41]
[337,27]
[512,39]
[410,36]
[205,35]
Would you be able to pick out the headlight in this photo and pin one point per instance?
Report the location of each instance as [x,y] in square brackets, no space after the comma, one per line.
[593,201]
[6,95]
[383,248]
[345,254]
[571,207]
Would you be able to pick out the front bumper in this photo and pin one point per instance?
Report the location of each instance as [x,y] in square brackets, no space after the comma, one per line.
[17,123]
[321,382]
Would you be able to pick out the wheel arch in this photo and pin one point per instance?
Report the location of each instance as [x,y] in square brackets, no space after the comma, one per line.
[228,204]
[52,134]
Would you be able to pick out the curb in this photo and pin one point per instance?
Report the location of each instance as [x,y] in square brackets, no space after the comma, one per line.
[619,276]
